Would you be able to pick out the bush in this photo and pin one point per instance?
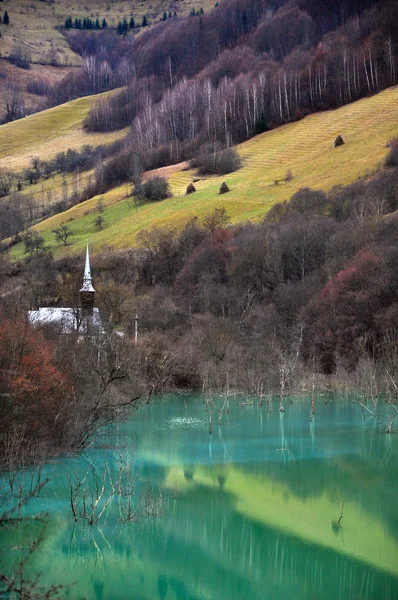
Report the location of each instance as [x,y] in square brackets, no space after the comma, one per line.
[307,200]
[217,163]
[191,189]
[156,188]
[20,56]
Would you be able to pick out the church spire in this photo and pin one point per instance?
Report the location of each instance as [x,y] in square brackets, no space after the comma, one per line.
[87,284]
[87,292]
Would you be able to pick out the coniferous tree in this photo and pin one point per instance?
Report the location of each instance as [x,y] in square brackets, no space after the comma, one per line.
[97,24]
[164,16]
[104,24]
[132,23]
[6,19]
[144,21]
[119,28]
[125,25]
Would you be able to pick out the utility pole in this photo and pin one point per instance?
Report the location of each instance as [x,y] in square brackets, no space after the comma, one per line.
[136,329]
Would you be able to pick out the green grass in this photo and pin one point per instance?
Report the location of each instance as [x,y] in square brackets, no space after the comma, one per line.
[48,132]
[305,147]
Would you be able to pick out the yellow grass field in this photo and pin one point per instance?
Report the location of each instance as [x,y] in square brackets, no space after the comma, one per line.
[305,148]
[48,132]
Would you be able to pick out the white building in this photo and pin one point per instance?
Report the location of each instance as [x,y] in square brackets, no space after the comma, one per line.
[84,319]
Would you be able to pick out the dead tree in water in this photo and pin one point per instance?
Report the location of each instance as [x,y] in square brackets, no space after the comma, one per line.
[288,356]
[378,382]
[312,409]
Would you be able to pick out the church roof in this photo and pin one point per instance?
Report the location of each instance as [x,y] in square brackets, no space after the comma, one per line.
[69,319]
[87,283]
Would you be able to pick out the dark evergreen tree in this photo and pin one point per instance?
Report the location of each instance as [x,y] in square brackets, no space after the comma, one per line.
[125,25]
[97,24]
[104,24]
[169,14]
[6,19]
[164,16]
[119,28]
[132,23]
[144,21]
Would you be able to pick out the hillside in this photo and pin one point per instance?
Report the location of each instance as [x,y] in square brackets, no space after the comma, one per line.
[36,31]
[305,148]
[36,23]
[48,132]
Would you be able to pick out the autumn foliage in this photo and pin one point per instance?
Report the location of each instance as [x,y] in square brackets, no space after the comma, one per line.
[33,389]
[346,309]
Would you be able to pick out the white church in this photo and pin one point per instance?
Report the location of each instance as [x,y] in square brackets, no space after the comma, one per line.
[84,319]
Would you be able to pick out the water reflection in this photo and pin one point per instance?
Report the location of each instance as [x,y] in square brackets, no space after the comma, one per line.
[250,512]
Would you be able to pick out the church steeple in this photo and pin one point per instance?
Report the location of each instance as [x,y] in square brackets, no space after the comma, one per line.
[87,291]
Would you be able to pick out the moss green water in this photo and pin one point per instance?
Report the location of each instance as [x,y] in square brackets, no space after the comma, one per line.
[249,513]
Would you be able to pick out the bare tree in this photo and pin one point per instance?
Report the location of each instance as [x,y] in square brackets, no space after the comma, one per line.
[13,102]
[6,180]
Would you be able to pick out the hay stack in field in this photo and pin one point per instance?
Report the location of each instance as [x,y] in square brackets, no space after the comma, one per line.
[190,189]
[338,141]
[224,188]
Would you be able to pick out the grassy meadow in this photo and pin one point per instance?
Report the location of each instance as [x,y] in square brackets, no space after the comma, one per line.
[305,148]
[48,132]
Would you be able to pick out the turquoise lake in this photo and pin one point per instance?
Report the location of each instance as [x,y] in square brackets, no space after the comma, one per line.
[247,513]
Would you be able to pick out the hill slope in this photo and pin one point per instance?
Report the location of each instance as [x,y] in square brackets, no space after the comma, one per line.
[48,132]
[35,24]
[305,148]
